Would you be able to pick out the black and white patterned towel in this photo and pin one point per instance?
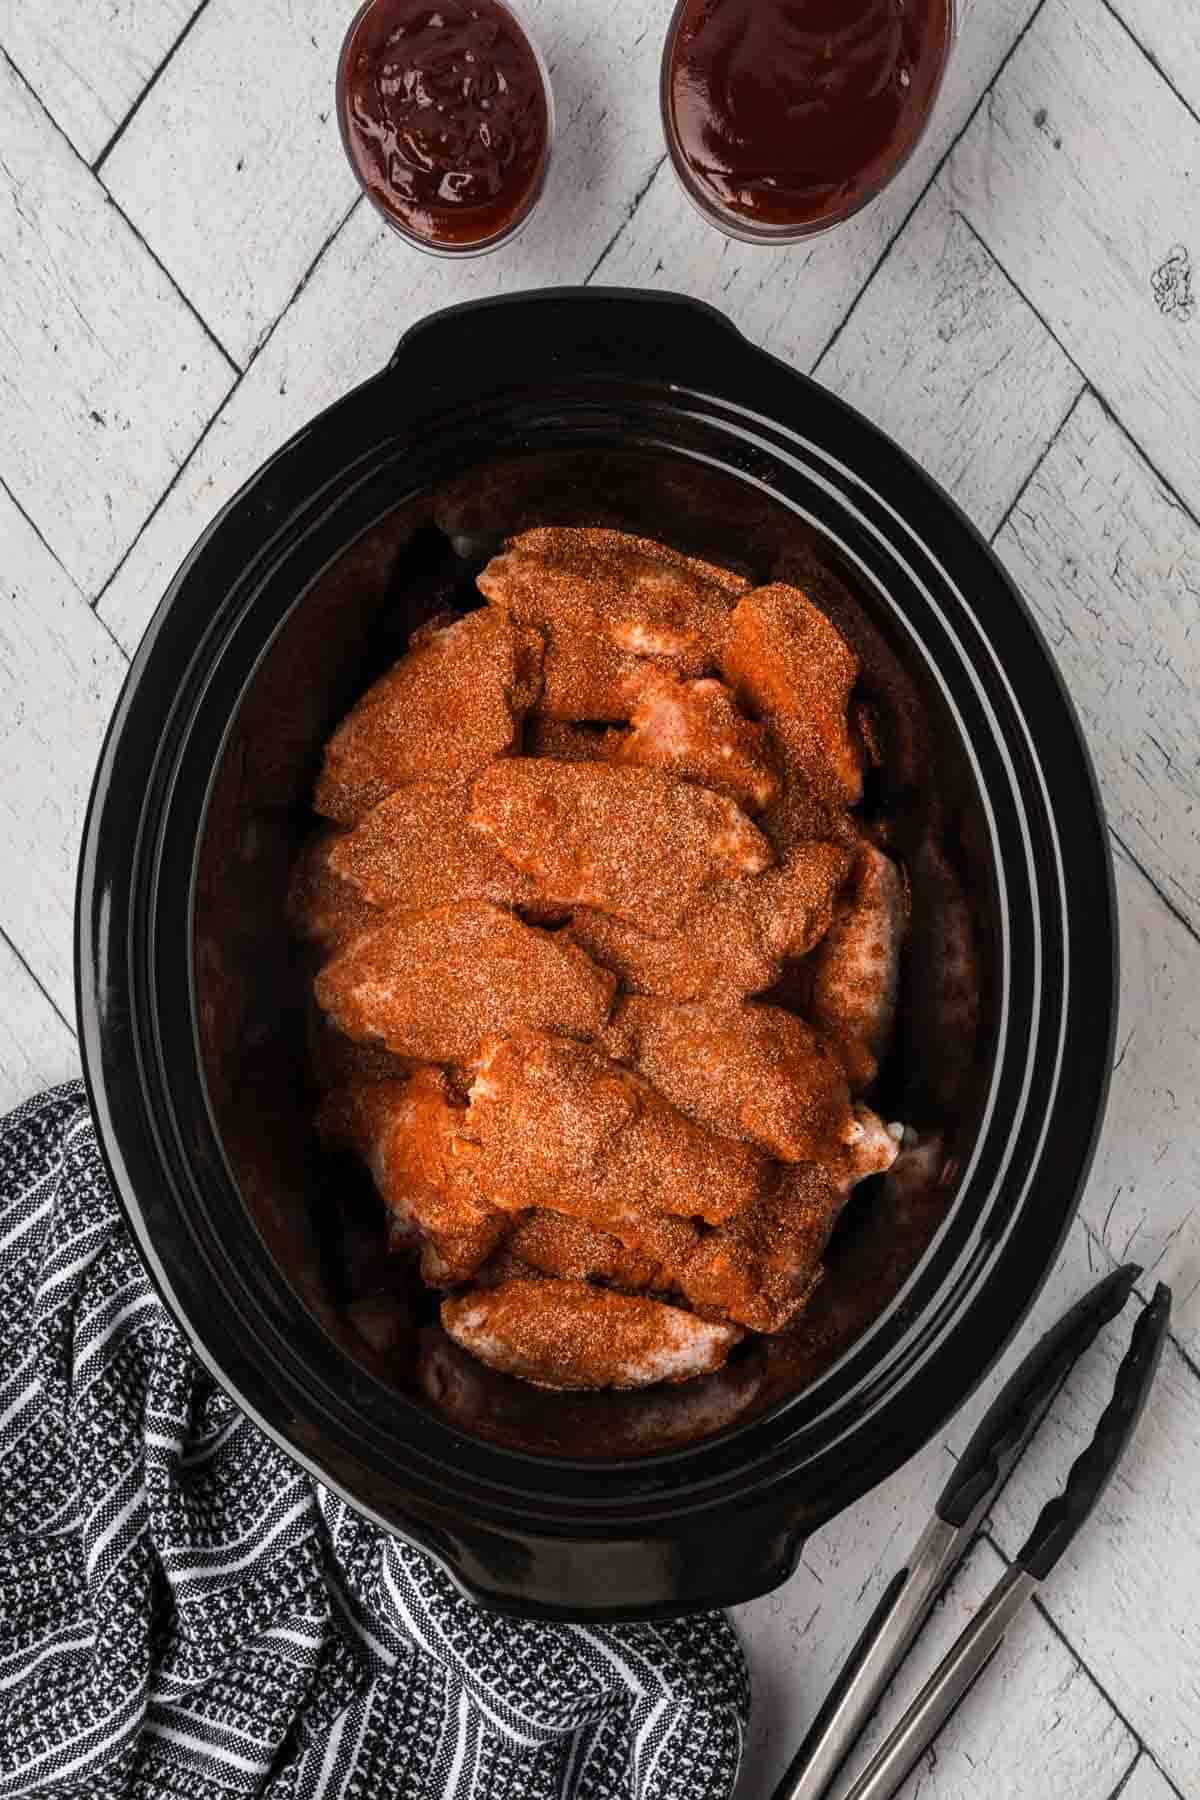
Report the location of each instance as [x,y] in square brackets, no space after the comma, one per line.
[184,1613]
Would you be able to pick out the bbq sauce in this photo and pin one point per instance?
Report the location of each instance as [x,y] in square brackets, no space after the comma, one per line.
[446,117]
[787,115]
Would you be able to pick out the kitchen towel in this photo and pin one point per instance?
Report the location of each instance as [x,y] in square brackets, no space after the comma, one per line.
[185,1613]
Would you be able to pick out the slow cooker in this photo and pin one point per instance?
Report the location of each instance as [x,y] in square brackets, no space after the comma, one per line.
[651,413]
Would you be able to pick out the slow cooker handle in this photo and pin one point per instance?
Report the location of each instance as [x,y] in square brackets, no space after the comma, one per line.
[563,334]
[706,1560]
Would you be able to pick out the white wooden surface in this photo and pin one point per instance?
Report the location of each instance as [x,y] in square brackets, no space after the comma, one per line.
[186,279]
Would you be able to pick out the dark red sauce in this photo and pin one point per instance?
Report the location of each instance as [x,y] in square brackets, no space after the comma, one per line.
[446,117]
[793,113]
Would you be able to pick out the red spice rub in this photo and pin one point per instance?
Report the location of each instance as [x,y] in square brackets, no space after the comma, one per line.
[556,1124]
[734,940]
[553,1243]
[432,984]
[856,967]
[696,730]
[405,1132]
[631,842]
[762,1268]
[450,705]
[565,1334]
[750,1071]
[416,849]
[605,602]
[791,666]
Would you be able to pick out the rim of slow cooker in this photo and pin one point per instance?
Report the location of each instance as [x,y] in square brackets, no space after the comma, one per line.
[753,431]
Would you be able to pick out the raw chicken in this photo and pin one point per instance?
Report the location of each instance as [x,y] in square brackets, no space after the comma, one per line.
[631,842]
[855,970]
[432,984]
[791,666]
[416,849]
[564,1334]
[451,704]
[557,1124]
[697,731]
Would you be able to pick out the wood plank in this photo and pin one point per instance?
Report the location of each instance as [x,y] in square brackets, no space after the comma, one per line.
[368,287]
[1070,1740]
[248,99]
[1036,1724]
[1110,563]
[793,300]
[1143,1198]
[1123,1594]
[59,677]
[1148,1783]
[942,353]
[106,377]
[1171,35]
[1079,175]
[88,64]
[249,85]
[36,1048]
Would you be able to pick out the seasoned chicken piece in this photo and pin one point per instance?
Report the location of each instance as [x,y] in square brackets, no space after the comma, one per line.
[696,730]
[451,704]
[605,601]
[762,1267]
[432,984]
[567,742]
[801,815]
[792,666]
[564,1334]
[321,906]
[416,849]
[735,938]
[631,842]
[749,1071]
[405,1133]
[855,970]
[556,1124]
[553,1243]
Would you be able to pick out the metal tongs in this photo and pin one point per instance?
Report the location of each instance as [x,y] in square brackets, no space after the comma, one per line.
[985,1467]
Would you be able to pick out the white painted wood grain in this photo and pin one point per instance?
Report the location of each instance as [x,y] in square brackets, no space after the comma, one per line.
[60,674]
[105,377]
[1148,1783]
[233,168]
[1143,1199]
[793,300]
[249,98]
[90,63]
[36,1048]
[942,353]
[369,287]
[1171,35]
[1080,175]
[1124,1594]
[1111,565]
[1036,1725]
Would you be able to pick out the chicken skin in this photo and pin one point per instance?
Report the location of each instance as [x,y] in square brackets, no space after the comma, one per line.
[554,1243]
[451,704]
[322,907]
[405,1132]
[734,940]
[697,731]
[605,603]
[762,1267]
[416,849]
[750,1071]
[565,1334]
[631,842]
[556,1124]
[791,666]
[433,984]
[855,971]
[567,742]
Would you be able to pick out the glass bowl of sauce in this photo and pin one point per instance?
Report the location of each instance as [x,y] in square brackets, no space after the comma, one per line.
[447,118]
[784,117]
